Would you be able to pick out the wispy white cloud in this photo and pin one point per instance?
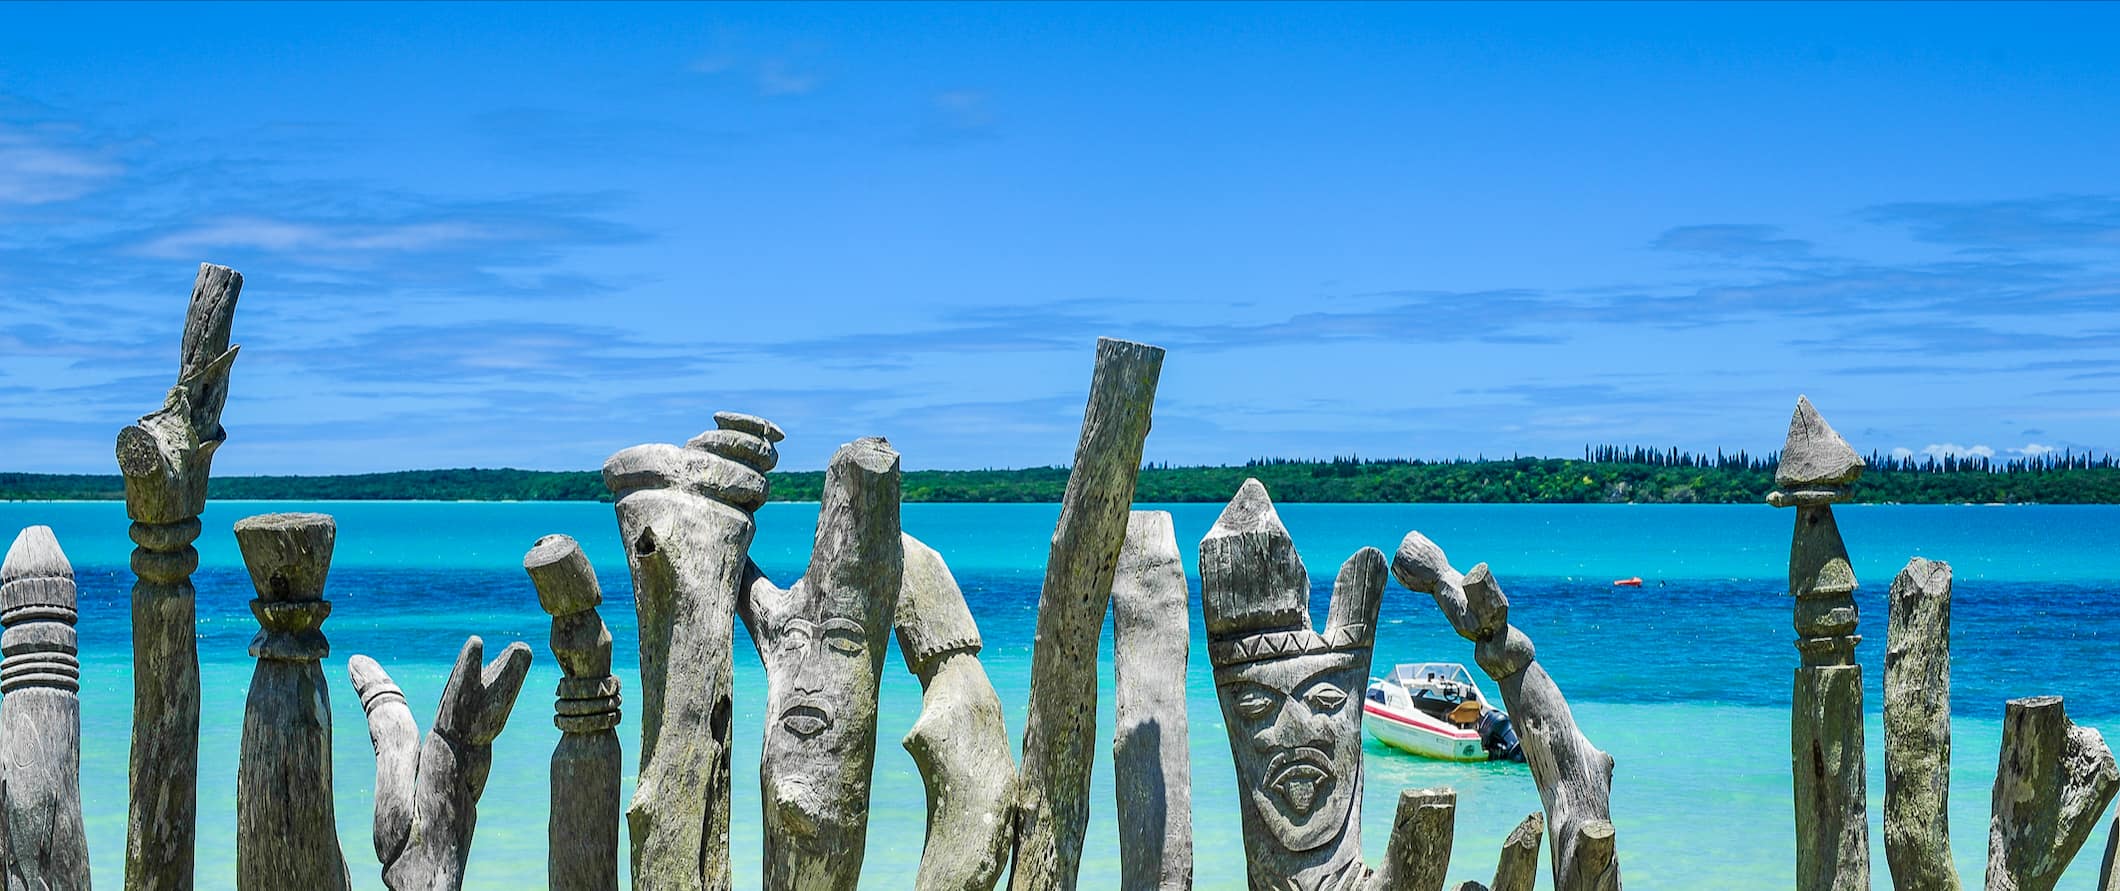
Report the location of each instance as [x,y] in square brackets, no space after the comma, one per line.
[1953,450]
[35,169]
[284,236]
[2033,450]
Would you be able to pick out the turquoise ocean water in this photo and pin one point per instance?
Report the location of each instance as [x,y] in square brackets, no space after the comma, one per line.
[1685,681]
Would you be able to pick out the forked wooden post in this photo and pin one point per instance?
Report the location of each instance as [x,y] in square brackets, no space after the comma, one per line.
[40,718]
[1059,737]
[685,516]
[1917,728]
[1574,778]
[581,852]
[823,643]
[1291,695]
[426,794]
[1151,762]
[960,742]
[165,459]
[1826,753]
[2053,784]
[286,829]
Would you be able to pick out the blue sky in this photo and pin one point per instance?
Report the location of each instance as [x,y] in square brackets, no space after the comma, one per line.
[530,235]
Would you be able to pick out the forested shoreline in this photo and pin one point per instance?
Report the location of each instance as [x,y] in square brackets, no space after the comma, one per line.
[1603,475]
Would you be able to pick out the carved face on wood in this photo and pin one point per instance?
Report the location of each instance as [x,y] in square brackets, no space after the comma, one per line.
[1298,720]
[825,657]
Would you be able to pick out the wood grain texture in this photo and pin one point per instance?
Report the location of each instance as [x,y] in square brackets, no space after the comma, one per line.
[823,643]
[1059,735]
[166,458]
[426,794]
[1422,831]
[1917,728]
[41,831]
[1151,760]
[581,850]
[1574,777]
[960,742]
[2053,784]
[685,517]
[1291,695]
[286,829]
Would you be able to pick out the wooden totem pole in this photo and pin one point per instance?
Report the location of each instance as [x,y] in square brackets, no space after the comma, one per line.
[1292,695]
[685,516]
[40,718]
[165,458]
[823,642]
[1574,777]
[1151,753]
[582,832]
[1826,745]
[286,832]
[960,742]
[1059,736]
[426,795]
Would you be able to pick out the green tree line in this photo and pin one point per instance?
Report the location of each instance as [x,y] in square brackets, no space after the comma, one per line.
[1605,474]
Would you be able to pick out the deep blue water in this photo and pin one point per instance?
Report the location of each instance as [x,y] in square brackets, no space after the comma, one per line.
[1685,680]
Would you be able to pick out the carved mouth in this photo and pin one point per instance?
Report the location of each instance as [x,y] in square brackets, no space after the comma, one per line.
[805,721]
[1303,778]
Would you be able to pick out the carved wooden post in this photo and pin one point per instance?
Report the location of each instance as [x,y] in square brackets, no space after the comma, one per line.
[1151,761]
[960,743]
[582,831]
[1291,695]
[40,718]
[426,795]
[1059,736]
[685,515]
[2054,783]
[1517,869]
[1574,778]
[823,644]
[1917,728]
[165,458]
[287,835]
[1826,746]
[1421,835]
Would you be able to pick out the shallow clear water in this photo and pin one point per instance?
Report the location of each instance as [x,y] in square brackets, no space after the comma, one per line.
[1685,681]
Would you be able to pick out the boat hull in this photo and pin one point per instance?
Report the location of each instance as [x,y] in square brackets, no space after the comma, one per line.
[1417,734]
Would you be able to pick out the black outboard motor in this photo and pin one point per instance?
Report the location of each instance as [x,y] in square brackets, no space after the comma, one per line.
[1498,737]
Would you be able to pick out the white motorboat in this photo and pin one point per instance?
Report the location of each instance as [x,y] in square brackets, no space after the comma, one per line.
[1436,710]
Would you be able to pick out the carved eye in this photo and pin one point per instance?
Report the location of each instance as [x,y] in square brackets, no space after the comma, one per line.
[1326,698]
[845,636]
[795,634]
[1254,703]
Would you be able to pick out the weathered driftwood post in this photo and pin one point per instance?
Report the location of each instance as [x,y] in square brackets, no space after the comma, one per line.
[960,742]
[165,458]
[2054,783]
[1574,778]
[1291,695]
[685,516]
[1421,834]
[40,718]
[426,795]
[581,851]
[1826,746]
[287,835]
[1917,728]
[1059,736]
[1517,868]
[823,642]
[1151,761]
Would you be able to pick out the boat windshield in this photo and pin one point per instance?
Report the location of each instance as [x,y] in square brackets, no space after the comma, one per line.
[1423,673]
